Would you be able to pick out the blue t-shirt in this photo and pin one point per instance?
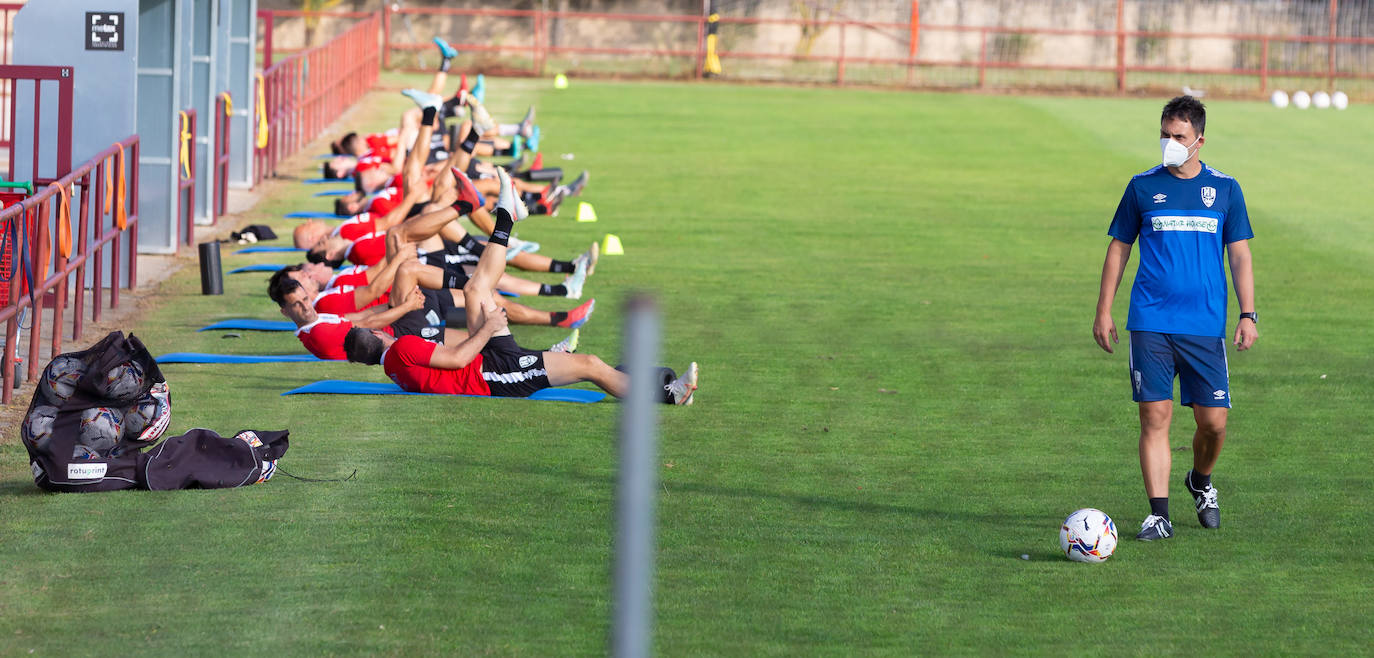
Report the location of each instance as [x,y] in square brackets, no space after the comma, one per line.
[1184,226]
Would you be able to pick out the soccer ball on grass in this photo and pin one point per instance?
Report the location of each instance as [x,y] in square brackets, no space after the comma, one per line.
[1088,535]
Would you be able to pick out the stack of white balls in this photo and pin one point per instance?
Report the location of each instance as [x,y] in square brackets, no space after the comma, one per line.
[1319,100]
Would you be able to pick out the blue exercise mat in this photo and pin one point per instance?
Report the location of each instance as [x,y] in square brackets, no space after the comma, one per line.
[334,193]
[251,324]
[322,181]
[315,214]
[202,357]
[266,249]
[260,267]
[345,387]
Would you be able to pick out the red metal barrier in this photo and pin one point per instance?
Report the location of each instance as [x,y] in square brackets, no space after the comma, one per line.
[13,75]
[100,189]
[905,36]
[186,178]
[224,107]
[303,93]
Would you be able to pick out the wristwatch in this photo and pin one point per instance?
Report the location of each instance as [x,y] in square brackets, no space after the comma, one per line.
[1254,317]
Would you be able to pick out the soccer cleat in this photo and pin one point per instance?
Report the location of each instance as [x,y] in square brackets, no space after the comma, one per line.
[533,142]
[527,123]
[469,199]
[538,162]
[423,98]
[683,388]
[1155,527]
[575,187]
[509,199]
[568,344]
[590,256]
[578,316]
[479,88]
[1208,513]
[481,119]
[515,246]
[448,52]
[575,281]
[517,147]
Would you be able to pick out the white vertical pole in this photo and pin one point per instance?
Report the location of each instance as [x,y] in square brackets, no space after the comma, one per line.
[631,626]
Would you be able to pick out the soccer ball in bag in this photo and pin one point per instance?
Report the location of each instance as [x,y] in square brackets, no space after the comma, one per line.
[37,430]
[101,428]
[1088,535]
[61,377]
[122,382]
[147,419]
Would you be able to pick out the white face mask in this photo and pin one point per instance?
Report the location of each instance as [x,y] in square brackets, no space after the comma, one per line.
[1175,154]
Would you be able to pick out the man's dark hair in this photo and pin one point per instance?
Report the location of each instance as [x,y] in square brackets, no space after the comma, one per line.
[363,347]
[318,256]
[281,285]
[329,171]
[341,206]
[335,148]
[347,142]
[1186,108]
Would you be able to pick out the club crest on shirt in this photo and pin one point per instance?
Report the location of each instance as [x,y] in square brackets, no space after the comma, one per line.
[1209,195]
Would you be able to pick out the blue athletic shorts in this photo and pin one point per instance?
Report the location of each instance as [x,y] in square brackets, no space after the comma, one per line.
[1198,361]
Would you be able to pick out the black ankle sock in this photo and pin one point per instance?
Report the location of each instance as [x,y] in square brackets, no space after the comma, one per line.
[469,142]
[427,117]
[562,267]
[1199,481]
[444,64]
[504,223]
[546,290]
[472,245]
[508,151]
[1160,507]
[557,316]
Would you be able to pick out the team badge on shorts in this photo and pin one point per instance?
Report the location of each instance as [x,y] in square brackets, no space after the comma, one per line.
[1209,196]
[528,360]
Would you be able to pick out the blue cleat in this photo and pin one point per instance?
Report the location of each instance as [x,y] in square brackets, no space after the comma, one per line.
[449,52]
[479,88]
[533,142]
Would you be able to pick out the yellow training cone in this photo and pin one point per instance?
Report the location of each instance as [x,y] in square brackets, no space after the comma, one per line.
[585,213]
[610,246]
[560,81]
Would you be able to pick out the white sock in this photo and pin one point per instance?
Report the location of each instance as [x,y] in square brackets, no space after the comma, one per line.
[508,129]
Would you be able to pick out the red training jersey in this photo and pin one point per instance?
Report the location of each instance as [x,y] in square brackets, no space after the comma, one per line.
[406,362]
[367,250]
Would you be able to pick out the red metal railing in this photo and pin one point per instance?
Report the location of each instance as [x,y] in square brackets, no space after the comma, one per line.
[186,178]
[535,50]
[220,178]
[99,202]
[303,93]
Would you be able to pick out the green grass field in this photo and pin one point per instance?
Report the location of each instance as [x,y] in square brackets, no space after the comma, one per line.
[890,296]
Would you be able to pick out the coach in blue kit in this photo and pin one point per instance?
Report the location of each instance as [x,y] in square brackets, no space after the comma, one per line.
[1185,215]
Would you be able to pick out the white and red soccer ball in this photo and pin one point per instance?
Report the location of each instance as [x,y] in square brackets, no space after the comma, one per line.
[1088,535]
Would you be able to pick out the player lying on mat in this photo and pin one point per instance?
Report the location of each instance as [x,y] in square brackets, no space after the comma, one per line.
[418,314]
[489,361]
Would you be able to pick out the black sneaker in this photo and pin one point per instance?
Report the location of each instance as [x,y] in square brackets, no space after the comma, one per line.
[1155,527]
[1208,514]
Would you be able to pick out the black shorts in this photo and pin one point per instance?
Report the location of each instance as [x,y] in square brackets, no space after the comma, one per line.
[512,371]
[452,261]
[428,322]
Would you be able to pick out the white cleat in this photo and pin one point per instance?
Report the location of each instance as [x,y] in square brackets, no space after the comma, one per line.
[575,281]
[589,257]
[683,387]
[508,198]
[568,344]
[481,120]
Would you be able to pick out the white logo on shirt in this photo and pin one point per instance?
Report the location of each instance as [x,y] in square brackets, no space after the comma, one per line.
[1197,224]
[1209,195]
[1161,197]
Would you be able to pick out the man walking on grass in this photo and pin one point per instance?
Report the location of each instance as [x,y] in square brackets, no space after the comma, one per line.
[1185,215]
